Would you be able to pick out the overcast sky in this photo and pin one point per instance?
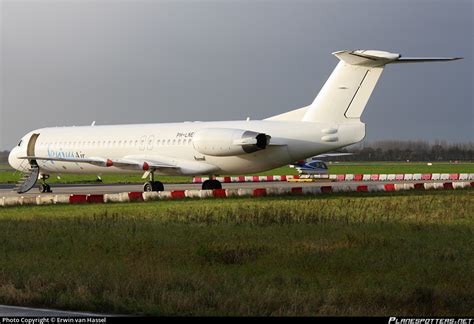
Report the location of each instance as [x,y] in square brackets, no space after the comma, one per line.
[74,61]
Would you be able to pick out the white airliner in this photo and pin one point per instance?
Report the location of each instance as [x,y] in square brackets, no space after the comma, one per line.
[332,121]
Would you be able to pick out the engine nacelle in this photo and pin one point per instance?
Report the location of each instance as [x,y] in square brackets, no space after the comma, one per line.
[229,141]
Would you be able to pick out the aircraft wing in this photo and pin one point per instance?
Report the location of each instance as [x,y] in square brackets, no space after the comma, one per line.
[124,163]
[91,160]
[163,164]
[142,164]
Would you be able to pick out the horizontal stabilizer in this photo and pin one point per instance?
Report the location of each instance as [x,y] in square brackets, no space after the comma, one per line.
[425,59]
[373,58]
[368,58]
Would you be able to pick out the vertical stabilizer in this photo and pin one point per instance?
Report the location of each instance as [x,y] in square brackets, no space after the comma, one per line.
[348,89]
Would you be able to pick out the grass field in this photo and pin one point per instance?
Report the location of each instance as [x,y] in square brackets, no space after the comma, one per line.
[335,168]
[400,167]
[372,254]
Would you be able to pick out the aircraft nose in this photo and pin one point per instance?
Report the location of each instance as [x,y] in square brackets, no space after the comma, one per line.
[12,158]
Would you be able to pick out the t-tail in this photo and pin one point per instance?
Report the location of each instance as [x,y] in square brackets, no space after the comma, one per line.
[347,91]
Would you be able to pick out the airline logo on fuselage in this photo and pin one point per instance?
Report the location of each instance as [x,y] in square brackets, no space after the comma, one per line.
[65,154]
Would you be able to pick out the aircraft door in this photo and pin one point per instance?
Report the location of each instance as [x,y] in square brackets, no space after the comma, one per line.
[30,149]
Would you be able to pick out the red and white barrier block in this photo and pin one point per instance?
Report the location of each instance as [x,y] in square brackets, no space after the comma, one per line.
[350,177]
[223,193]
[255,178]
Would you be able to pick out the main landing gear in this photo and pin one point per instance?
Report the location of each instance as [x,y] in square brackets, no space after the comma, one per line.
[211,184]
[44,187]
[153,185]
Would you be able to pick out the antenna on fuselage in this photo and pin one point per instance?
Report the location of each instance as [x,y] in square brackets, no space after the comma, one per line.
[93,123]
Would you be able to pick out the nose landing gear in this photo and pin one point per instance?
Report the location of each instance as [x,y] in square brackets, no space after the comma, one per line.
[44,187]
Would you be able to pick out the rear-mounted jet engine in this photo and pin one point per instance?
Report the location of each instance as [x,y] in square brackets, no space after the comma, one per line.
[228,141]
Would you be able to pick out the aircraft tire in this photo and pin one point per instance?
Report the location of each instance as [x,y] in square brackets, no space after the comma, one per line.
[211,184]
[216,184]
[44,188]
[158,186]
[153,186]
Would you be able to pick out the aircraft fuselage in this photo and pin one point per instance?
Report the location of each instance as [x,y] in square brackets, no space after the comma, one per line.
[290,141]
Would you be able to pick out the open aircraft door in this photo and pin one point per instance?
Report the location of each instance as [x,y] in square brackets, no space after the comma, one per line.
[30,150]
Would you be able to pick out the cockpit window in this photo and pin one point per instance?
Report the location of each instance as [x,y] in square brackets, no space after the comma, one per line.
[21,141]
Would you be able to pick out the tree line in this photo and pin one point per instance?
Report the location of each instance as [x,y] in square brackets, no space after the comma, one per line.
[409,150]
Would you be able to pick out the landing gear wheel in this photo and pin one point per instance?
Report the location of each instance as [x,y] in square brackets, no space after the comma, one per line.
[153,186]
[43,188]
[147,187]
[211,184]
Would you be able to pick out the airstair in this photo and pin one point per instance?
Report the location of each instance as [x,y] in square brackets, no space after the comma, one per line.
[28,180]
